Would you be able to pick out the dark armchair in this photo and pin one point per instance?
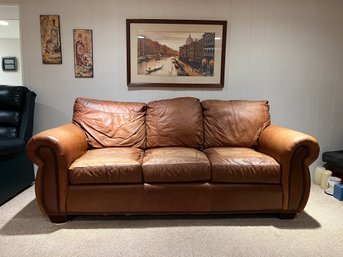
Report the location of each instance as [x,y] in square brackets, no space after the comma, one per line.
[16,122]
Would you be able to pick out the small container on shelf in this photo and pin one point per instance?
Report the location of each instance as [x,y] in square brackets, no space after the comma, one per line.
[338,192]
[318,174]
[332,181]
[324,178]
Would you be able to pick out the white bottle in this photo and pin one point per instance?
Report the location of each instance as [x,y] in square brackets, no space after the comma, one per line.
[324,181]
[318,175]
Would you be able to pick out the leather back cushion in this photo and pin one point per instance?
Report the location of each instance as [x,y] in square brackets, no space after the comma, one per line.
[111,124]
[8,132]
[12,98]
[234,123]
[175,122]
[11,104]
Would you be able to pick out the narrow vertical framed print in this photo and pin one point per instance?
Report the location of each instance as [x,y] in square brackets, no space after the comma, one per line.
[50,39]
[83,53]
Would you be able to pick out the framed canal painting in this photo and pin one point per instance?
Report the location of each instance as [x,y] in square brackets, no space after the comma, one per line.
[175,53]
[83,53]
[50,39]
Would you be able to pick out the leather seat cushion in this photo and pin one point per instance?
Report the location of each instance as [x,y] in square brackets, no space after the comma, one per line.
[175,164]
[242,165]
[107,166]
[175,122]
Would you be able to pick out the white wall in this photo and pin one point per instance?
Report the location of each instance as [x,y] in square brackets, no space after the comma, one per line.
[9,11]
[10,44]
[10,47]
[287,51]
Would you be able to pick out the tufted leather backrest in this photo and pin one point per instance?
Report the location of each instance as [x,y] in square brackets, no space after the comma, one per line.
[12,100]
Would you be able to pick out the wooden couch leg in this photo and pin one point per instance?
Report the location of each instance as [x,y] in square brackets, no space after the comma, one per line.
[59,218]
[287,215]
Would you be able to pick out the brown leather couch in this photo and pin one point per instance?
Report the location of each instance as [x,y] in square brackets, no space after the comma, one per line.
[171,156]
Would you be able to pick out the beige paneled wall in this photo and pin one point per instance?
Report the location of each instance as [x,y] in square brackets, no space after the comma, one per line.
[287,51]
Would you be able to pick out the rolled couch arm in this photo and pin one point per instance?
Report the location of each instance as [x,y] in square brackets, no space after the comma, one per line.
[295,151]
[53,151]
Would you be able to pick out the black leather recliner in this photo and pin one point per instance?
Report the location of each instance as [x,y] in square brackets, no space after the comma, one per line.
[16,122]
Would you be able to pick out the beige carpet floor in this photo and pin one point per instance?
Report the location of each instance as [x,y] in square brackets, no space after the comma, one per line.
[316,232]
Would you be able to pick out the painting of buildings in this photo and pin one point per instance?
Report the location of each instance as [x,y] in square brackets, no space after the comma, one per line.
[175,53]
